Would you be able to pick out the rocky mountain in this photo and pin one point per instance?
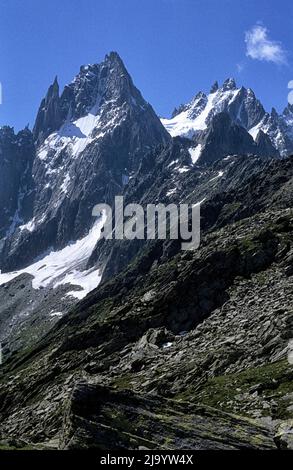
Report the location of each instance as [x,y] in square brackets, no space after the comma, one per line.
[101,129]
[89,143]
[244,109]
[16,185]
[98,129]
[85,145]
[137,344]
[278,128]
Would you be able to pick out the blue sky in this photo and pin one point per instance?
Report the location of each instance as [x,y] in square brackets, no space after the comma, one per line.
[172,48]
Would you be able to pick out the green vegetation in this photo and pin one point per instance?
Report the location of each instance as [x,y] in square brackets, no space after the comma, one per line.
[248,389]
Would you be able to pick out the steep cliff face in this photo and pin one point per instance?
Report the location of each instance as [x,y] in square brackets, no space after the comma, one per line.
[49,117]
[16,185]
[224,137]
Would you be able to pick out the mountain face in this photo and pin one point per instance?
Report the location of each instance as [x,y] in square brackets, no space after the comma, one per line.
[16,186]
[170,176]
[223,137]
[88,141]
[102,96]
[278,128]
[244,109]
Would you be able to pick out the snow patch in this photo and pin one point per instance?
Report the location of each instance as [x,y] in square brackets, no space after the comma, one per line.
[87,280]
[65,184]
[195,152]
[77,135]
[171,191]
[182,169]
[30,226]
[65,266]
[56,314]
[255,131]
[219,175]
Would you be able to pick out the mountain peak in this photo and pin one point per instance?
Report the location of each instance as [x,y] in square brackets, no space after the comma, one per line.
[53,90]
[274,113]
[114,59]
[244,109]
[113,56]
[93,85]
[199,96]
[229,84]
[49,116]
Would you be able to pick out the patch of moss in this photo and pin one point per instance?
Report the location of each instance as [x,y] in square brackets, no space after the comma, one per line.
[8,447]
[248,244]
[261,278]
[122,382]
[271,381]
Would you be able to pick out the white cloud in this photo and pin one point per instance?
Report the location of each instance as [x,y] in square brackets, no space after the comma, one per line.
[260,47]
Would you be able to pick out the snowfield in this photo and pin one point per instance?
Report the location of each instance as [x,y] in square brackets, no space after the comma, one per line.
[66,266]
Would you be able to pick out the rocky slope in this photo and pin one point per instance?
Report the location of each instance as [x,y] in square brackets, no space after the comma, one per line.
[85,145]
[180,343]
[230,189]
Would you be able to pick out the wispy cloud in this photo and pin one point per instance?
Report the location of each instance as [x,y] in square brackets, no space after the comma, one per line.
[240,67]
[260,47]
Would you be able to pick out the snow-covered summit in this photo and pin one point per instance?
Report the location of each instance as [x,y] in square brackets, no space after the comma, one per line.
[96,89]
[197,115]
